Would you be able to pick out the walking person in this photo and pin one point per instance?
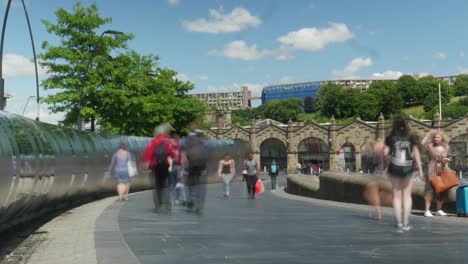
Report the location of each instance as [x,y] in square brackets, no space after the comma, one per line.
[119,165]
[252,175]
[156,158]
[196,152]
[226,170]
[402,149]
[373,192]
[273,174]
[174,177]
[436,144]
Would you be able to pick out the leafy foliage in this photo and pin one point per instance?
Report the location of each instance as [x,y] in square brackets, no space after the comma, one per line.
[460,87]
[327,99]
[309,105]
[386,92]
[125,92]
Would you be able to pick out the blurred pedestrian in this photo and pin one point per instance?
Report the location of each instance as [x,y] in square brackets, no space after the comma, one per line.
[252,174]
[226,170]
[156,158]
[402,150]
[119,166]
[175,177]
[373,193]
[273,174]
[197,158]
[436,144]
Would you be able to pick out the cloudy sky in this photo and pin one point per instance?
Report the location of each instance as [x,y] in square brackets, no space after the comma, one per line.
[221,45]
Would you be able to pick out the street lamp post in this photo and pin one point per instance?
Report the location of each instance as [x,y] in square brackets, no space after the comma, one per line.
[27,102]
[79,122]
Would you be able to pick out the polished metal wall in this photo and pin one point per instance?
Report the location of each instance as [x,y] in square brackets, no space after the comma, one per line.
[42,163]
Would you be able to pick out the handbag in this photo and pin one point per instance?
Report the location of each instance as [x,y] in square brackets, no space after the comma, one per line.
[445,181]
[259,187]
[131,166]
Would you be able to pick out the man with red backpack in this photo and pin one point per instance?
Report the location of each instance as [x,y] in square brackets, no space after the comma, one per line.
[157,157]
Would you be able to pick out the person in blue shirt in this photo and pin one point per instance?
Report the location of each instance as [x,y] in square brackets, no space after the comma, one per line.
[273,173]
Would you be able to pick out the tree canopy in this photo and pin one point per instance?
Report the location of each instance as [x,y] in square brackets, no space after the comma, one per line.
[124,91]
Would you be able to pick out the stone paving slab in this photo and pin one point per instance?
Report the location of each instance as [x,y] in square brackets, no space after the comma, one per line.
[272,229]
[68,238]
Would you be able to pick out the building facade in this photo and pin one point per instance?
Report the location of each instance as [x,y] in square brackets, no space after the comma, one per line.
[333,146]
[285,91]
[302,90]
[227,100]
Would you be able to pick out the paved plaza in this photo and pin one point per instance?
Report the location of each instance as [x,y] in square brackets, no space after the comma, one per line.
[274,228]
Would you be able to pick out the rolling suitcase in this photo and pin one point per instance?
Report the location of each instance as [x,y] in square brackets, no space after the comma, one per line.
[462,200]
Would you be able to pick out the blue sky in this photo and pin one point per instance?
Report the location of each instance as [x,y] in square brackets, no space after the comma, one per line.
[221,45]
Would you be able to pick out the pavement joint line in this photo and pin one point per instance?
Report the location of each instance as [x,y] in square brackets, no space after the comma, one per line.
[386,211]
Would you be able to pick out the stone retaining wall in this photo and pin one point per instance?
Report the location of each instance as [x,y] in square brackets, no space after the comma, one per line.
[350,187]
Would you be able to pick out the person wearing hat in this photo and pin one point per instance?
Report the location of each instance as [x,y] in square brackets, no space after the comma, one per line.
[156,157]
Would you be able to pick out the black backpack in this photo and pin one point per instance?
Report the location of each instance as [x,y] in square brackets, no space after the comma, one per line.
[160,154]
[196,151]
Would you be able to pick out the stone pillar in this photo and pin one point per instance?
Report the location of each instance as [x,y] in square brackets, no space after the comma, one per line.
[358,160]
[381,128]
[436,120]
[254,147]
[292,152]
[333,147]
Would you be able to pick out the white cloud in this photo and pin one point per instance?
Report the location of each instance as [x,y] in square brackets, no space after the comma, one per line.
[283,53]
[256,88]
[15,65]
[393,75]
[314,39]
[440,55]
[203,77]
[238,49]
[461,54]
[238,20]
[173,2]
[285,80]
[183,77]
[350,71]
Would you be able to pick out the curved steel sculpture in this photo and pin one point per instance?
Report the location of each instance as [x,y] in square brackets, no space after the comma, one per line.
[42,164]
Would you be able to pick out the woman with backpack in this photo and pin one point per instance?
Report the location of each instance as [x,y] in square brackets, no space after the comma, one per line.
[226,170]
[401,148]
[252,175]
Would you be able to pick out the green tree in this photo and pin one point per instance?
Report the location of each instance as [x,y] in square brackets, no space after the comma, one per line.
[390,100]
[327,99]
[283,110]
[460,87]
[408,88]
[66,62]
[244,117]
[309,105]
[348,102]
[368,107]
[144,95]
[430,91]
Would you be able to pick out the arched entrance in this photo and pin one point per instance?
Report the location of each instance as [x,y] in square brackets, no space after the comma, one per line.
[313,153]
[459,150]
[273,149]
[347,157]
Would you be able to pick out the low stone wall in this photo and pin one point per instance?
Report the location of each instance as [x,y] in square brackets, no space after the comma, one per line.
[350,188]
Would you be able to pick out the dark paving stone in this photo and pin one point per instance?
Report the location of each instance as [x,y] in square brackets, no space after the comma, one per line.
[277,230]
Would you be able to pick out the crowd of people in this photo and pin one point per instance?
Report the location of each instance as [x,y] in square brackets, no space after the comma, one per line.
[179,175]
[398,159]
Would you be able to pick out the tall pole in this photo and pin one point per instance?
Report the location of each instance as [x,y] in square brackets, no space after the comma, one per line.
[440,103]
[79,122]
[35,60]
[2,81]
[27,102]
